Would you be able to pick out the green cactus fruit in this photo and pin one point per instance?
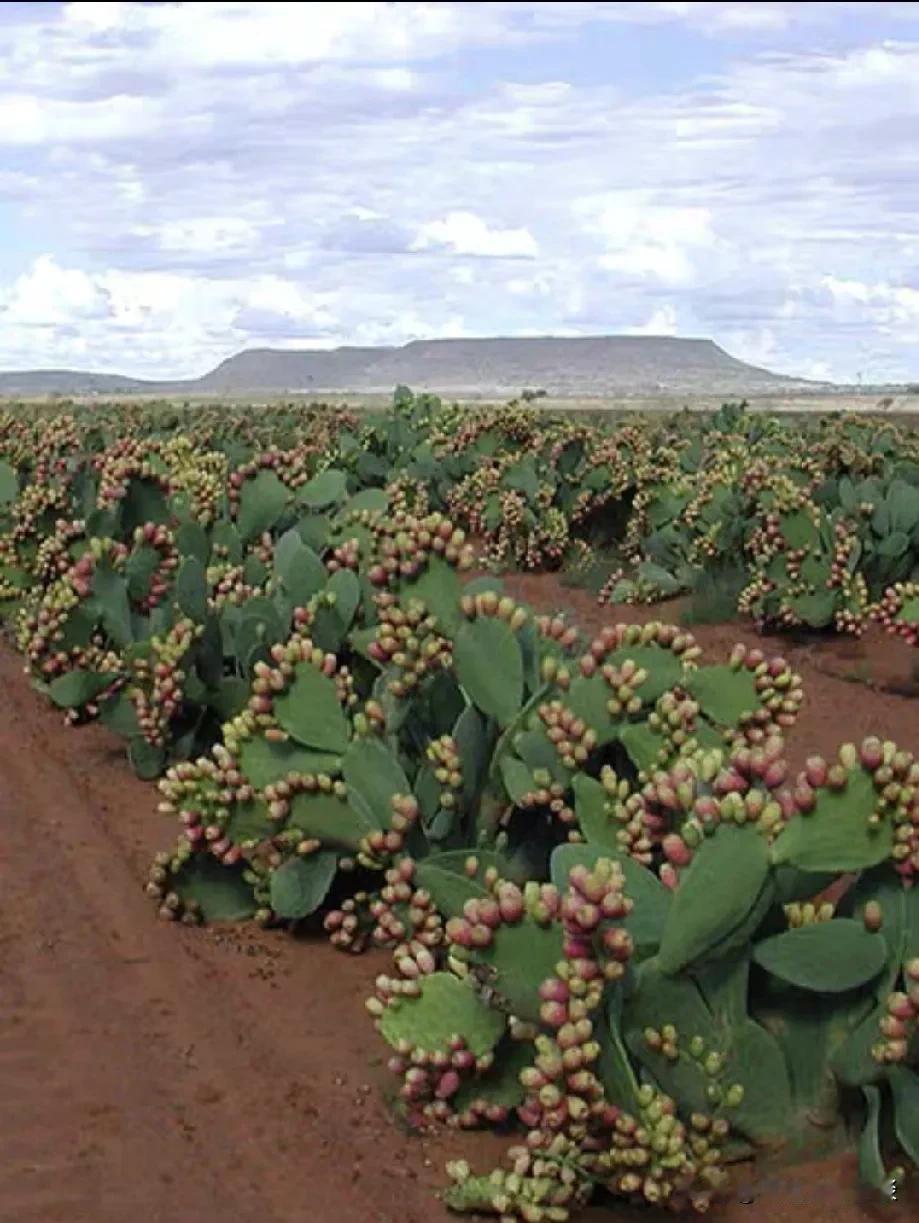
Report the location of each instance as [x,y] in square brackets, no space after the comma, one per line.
[261,503]
[75,688]
[220,892]
[310,711]
[300,885]
[826,957]
[326,489]
[373,776]
[836,834]
[191,589]
[725,694]
[445,1007]
[264,762]
[904,1086]
[489,665]
[652,901]
[665,669]
[720,889]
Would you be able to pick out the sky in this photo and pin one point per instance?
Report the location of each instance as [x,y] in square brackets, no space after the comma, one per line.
[182,181]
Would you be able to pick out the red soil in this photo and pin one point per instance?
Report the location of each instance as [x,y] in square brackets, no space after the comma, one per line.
[157,1073]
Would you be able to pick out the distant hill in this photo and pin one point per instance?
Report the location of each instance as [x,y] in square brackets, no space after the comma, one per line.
[562,366]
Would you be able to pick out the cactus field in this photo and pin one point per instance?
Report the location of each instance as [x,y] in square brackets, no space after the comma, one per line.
[405,839]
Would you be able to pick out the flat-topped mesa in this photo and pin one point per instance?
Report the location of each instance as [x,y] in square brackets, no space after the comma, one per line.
[558,365]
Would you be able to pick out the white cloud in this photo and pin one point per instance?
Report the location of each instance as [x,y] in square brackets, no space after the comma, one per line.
[204,176]
[663,321]
[464,233]
[645,239]
[203,235]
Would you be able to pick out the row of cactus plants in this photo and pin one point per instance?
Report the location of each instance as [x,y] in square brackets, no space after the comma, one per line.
[606,899]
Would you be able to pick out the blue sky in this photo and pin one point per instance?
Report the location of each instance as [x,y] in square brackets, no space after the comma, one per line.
[178,182]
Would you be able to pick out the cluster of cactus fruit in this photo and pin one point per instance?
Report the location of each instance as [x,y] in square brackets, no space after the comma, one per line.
[619,924]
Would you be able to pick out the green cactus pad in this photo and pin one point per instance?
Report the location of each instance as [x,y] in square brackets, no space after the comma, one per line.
[111,591]
[330,820]
[817,609]
[192,540]
[904,1085]
[146,760]
[587,698]
[249,822]
[261,502]
[597,828]
[724,693]
[438,587]
[141,565]
[826,957]
[446,1007]
[373,776]
[310,711]
[191,589]
[645,746]
[300,885]
[716,894]
[835,836]
[75,688]
[871,1167]
[518,779]
[328,488]
[346,587]
[535,750]
[519,959]
[489,665]
[500,1084]
[751,1056]
[265,763]
[299,568]
[220,891]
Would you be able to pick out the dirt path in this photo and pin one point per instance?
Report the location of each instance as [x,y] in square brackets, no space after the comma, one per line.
[155,1073]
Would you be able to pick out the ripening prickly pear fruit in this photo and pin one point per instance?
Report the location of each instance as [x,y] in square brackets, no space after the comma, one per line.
[873,916]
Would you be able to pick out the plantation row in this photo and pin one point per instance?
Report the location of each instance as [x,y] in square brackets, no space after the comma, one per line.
[601,888]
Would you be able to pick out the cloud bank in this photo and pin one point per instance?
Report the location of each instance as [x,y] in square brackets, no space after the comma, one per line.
[180,181]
